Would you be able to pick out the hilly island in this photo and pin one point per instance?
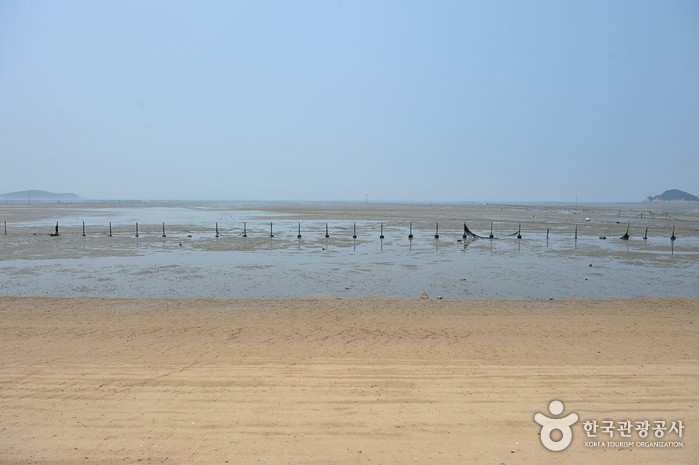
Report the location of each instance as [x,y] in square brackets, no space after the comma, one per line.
[673,195]
[37,195]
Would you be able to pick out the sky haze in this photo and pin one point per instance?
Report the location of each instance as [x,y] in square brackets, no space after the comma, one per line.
[316,100]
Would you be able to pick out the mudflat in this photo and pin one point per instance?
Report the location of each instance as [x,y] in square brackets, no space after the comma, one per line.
[177,253]
[343,381]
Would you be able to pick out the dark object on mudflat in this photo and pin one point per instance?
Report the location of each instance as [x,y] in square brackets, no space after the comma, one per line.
[470,234]
[603,237]
[672,238]
[625,237]
[54,234]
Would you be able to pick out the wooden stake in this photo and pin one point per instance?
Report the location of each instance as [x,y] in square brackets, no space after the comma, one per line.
[110,229]
[137,229]
[271,234]
[410,236]
[381,236]
[491,231]
[83,229]
[326,231]
[672,238]
[299,235]
[245,230]
[519,231]
[163,229]
[354,235]
[436,231]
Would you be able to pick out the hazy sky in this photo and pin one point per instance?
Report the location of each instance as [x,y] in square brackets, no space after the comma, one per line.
[332,100]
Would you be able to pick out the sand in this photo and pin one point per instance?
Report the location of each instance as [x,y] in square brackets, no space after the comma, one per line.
[340,381]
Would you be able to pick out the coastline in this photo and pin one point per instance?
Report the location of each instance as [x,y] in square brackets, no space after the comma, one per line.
[177,253]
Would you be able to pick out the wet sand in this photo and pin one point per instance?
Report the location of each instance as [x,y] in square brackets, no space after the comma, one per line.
[191,262]
[343,381]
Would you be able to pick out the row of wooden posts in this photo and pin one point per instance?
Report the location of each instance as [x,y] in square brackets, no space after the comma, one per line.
[467,233]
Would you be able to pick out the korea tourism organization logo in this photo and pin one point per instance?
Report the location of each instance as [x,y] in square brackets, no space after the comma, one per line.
[603,433]
[549,425]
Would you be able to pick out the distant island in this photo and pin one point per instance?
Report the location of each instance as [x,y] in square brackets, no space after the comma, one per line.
[37,195]
[673,195]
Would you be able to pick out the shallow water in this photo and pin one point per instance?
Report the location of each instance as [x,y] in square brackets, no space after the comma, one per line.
[191,262]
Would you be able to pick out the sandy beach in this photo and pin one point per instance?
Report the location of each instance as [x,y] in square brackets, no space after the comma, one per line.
[341,381]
